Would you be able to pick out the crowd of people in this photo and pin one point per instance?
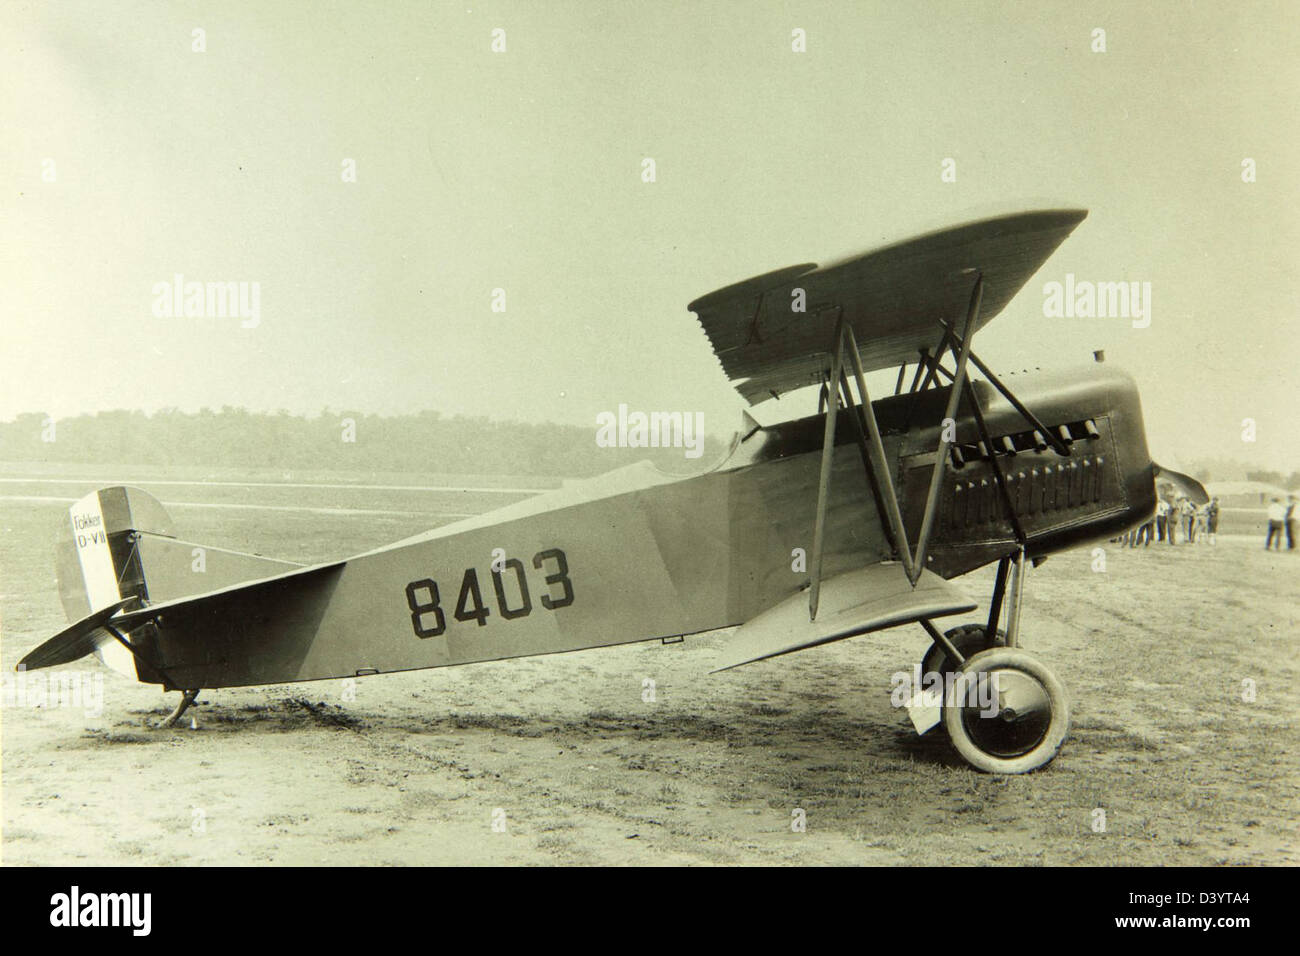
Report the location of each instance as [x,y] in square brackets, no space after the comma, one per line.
[1177,518]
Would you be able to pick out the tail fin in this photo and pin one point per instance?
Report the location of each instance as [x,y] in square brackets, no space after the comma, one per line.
[99,565]
[98,560]
[119,550]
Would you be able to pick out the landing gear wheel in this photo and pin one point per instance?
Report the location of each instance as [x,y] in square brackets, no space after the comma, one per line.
[967,638]
[1024,724]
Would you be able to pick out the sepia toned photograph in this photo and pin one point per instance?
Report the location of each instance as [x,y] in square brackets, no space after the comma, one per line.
[584,434]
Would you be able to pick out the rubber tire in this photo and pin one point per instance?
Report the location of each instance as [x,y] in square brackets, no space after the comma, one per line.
[967,638]
[1012,658]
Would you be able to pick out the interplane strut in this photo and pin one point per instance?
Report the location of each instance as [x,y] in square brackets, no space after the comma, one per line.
[874,449]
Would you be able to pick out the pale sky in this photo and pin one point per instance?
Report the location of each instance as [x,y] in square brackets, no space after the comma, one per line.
[521,170]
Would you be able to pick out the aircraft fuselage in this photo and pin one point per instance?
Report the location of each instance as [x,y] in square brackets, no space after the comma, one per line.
[638,555]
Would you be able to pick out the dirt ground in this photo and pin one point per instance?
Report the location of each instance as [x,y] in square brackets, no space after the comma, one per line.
[567,759]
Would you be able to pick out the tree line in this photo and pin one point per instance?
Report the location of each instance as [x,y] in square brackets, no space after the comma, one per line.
[424,442]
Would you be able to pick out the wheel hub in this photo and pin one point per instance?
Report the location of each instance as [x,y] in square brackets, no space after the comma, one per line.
[1011,716]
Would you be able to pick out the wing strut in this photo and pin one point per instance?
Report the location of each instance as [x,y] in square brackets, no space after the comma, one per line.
[1001,479]
[878,468]
[868,465]
[875,449]
[921,364]
[1057,444]
[933,370]
[893,514]
[824,480]
[941,460]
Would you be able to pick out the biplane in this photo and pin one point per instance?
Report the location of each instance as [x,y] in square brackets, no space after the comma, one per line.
[888,499]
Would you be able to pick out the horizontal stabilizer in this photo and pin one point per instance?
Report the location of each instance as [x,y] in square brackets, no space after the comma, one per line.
[75,641]
[868,599]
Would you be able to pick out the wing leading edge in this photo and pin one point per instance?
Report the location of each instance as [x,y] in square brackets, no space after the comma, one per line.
[894,298]
[855,602]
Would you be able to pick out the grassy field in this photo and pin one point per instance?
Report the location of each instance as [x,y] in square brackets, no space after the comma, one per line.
[579,768]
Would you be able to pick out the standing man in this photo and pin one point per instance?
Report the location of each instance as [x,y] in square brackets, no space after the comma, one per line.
[1188,512]
[1162,517]
[1290,522]
[1212,520]
[1276,518]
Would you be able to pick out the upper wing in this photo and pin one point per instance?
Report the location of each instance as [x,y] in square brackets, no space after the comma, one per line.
[868,599]
[894,299]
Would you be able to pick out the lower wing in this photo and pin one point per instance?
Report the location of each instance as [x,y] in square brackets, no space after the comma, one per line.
[855,602]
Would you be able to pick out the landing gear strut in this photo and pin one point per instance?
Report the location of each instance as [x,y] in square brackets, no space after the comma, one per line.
[968,639]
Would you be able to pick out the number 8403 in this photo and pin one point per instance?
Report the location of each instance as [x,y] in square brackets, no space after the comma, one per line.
[424,601]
